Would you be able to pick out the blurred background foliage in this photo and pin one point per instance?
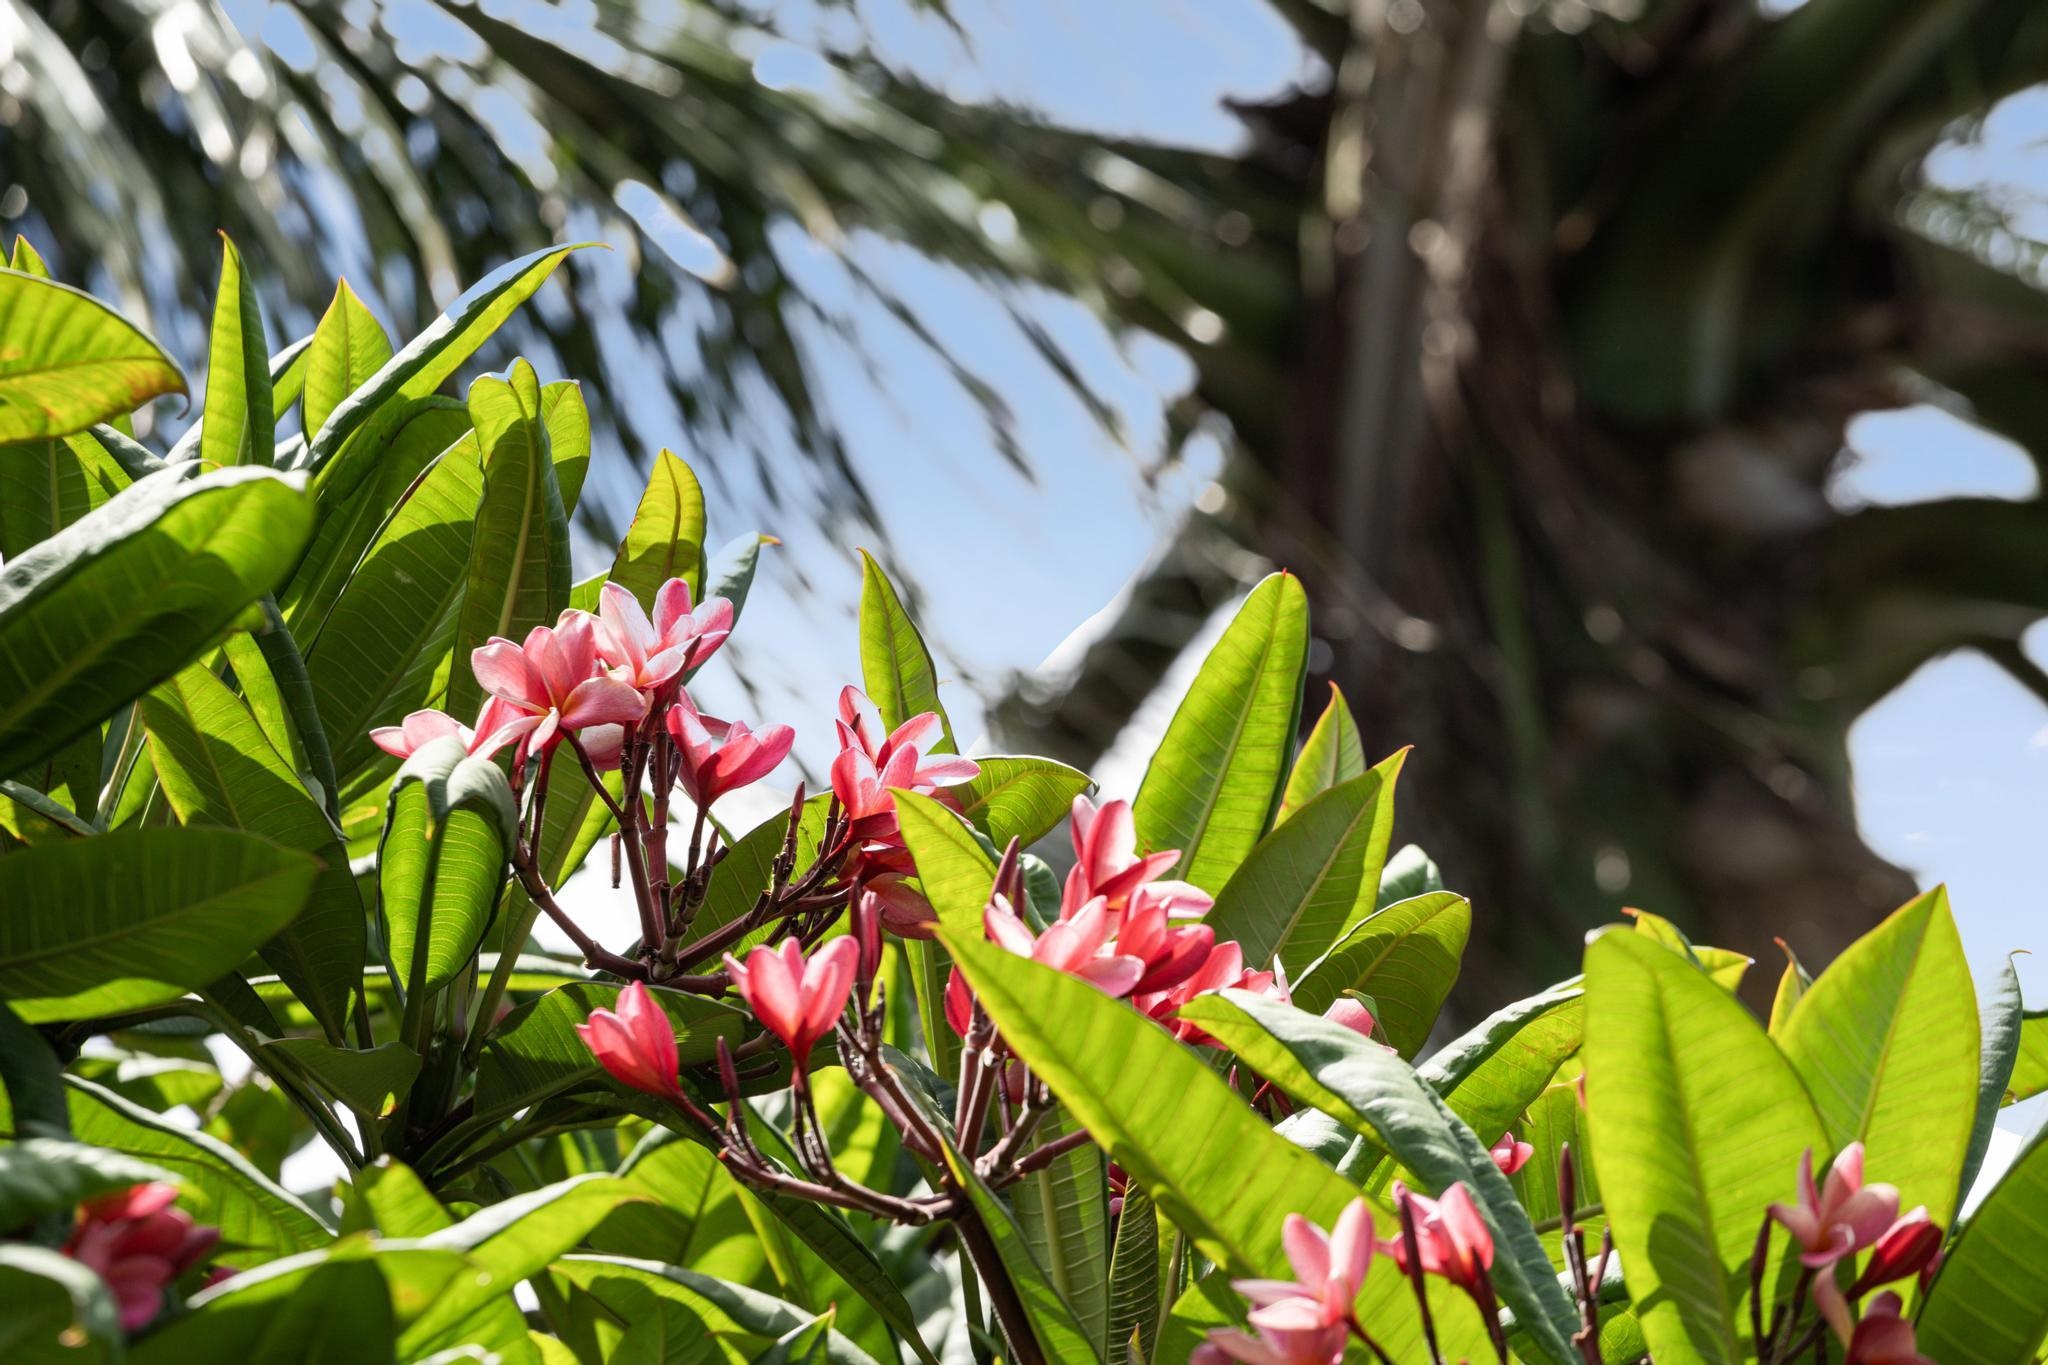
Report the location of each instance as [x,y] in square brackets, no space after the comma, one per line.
[1526,331]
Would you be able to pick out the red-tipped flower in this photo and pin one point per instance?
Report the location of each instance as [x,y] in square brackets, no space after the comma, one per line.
[636,1043]
[1841,1217]
[647,653]
[135,1241]
[798,1001]
[1079,946]
[551,684]
[722,756]
[1107,865]
[1883,1337]
[1511,1154]
[1450,1234]
[1906,1248]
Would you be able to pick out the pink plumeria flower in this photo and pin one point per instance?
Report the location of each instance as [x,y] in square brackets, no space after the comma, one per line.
[635,1043]
[551,683]
[1883,1337]
[1223,969]
[497,726]
[648,654]
[1908,1247]
[1106,864]
[1511,1154]
[1318,1346]
[1353,1014]
[1843,1216]
[138,1244]
[722,756]
[1329,1269]
[797,1000]
[1450,1234]
[1079,946]
[860,728]
[898,905]
[1171,952]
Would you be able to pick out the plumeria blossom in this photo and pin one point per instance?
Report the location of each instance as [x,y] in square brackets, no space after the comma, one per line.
[797,1000]
[1883,1337]
[138,1244]
[898,906]
[636,1043]
[1353,1014]
[1171,952]
[551,684]
[1079,946]
[496,726]
[648,654]
[1107,865]
[721,756]
[860,729]
[1908,1247]
[1308,1318]
[1841,1217]
[1450,1235]
[1319,1346]
[1511,1154]
[1223,969]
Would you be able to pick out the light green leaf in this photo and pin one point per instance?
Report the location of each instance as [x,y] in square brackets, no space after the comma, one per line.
[894,663]
[518,573]
[1886,1041]
[27,259]
[1999,1023]
[115,603]
[349,346]
[1332,755]
[666,537]
[88,917]
[1134,1277]
[448,835]
[1793,984]
[535,1052]
[730,574]
[1310,880]
[54,1308]
[1405,957]
[49,483]
[954,872]
[1492,1073]
[2030,1067]
[1989,1305]
[217,769]
[1060,1336]
[1214,783]
[1727,968]
[238,426]
[40,1175]
[67,360]
[1699,1123]
[1019,798]
[567,418]
[1360,1084]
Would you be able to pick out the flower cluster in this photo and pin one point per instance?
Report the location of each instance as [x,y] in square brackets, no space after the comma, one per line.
[1835,1221]
[872,764]
[139,1245]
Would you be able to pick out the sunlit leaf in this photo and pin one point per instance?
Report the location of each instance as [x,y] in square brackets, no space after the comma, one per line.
[349,346]
[1331,755]
[666,537]
[67,360]
[894,663]
[448,836]
[1405,957]
[1989,1305]
[237,426]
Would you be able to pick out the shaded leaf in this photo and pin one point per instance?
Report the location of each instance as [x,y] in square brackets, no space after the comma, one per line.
[535,1051]
[448,837]
[1060,1336]
[1989,1304]
[1405,957]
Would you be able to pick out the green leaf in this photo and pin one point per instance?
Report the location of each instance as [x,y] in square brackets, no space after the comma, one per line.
[237,425]
[1793,984]
[1359,1083]
[1999,1023]
[41,1175]
[1309,881]
[1019,798]
[535,1052]
[519,573]
[730,574]
[1332,755]
[2030,1067]
[1494,1072]
[47,484]
[1989,1305]
[1405,957]
[894,663]
[88,917]
[28,816]
[666,537]
[373,659]
[362,1079]
[1409,873]
[27,259]
[217,769]
[1134,1277]
[1060,1336]
[567,418]
[1725,967]
[1698,1122]
[54,1308]
[115,603]
[744,872]
[1886,1041]
[954,872]
[272,676]
[1214,783]
[32,1080]
[349,346]
[448,835]
[741,1319]
[1185,1137]
[1063,1213]
[67,360]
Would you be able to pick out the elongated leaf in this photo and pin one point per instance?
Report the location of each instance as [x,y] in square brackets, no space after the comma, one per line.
[447,839]
[518,574]
[67,360]
[28,816]
[567,418]
[1019,798]
[737,1318]
[730,574]
[1405,957]
[55,1308]
[33,1083]
[1355,1081]
[272,676]
[362,1079]
[27,259]
[88,918]
[1063,1213]
[1309,881]
[1409,873]
[217,769]
[1792,986]
[2030,1067]
[237,426]
[1699,1123]
[1886,1041]
[894,663]
[101,612]
[349,346]
[1184,1137]
[1999,1024]
[953,871]
[535,1051]
[40,1176]
[1332,755]
[1060,1335]
[666,537]
[49,483]
[1214,783]
[1134,1279]
[1989,1305]
[1495,1071]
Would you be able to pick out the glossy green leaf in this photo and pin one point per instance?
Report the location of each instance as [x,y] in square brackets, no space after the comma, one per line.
[67,360]
[1699,1123]
[1332,755]
[1793,983]
[237,425]
[49,483]
[518,574]
[954,872]
[1134,1278]
[666,537]
[349,347]
[271,674]
[741,1319]
[1989,1305]
[217,769]
[448,837]
[1999,1023]
[1359,1083]
[1405,957]
[1492,1073]
[1060,1335]
[101,612]
[1019,798]
[1310,880]
[54,1308]
[1215,781]
[1409,873]
[1886,1041]
[1063,1213]
[2030,1066]
[31,1080]
[894,663]
[361,1078]
[41,1175]
[87,918]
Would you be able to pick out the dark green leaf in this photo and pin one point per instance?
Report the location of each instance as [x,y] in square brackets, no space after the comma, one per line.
[1405,957]
[1060,1336]
[40,1175]
[730,573]
[47,484]
[54,1308]
[448,836]
[1134,1277]
[1063,1212]
[745,1319]
[1999,1020]
[360,1078]
[535,1052]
